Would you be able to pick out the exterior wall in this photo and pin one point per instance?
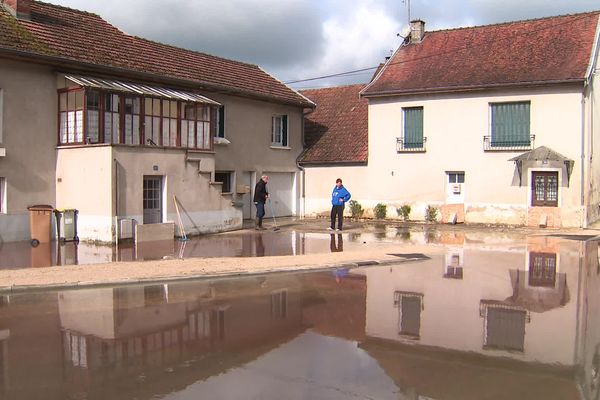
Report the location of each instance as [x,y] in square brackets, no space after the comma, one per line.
[450,317]
[454,127]
[592,127]
[319,182]
[29,139]
[248,128]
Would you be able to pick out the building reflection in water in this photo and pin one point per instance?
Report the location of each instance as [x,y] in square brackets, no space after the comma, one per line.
[473,321]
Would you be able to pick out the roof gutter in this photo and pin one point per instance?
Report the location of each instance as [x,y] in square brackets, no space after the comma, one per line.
[449,89]
[157,78]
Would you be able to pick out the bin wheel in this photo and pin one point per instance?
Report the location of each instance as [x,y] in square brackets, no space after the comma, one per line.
[35,242]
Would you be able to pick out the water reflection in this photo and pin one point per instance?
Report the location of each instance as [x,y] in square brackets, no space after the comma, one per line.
[510,321]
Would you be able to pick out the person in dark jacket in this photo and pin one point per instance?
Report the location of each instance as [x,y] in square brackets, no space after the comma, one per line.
[261,194]
[339,198]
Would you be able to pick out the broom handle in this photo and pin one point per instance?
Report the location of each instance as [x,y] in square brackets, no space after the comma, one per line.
[179,217]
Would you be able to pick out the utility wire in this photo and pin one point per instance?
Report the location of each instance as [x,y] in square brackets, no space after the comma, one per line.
[450,50]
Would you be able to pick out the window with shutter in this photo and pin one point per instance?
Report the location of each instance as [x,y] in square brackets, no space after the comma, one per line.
[510,124]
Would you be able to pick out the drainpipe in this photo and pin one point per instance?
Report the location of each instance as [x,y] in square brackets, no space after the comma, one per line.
[582,179]
[300,167]
[116,191]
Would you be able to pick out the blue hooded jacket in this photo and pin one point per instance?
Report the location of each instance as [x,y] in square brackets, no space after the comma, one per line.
[338,194]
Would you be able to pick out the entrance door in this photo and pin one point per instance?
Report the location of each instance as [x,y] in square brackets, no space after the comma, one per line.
[455,188]
[281,193]
[153,199]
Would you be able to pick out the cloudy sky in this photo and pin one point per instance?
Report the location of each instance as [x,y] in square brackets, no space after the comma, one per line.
[300,39]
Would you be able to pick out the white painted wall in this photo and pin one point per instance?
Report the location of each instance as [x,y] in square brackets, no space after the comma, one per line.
[454,125]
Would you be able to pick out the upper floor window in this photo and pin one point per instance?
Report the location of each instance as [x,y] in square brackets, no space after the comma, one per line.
[94,116]
[279,135]
[220,131]
[412,130]
[71,116]
[509,126]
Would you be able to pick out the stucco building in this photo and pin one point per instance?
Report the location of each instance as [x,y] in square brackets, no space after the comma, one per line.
[118,127]
[488,124]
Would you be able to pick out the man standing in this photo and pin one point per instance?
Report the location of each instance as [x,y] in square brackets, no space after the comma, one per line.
[339,197]
[260,198]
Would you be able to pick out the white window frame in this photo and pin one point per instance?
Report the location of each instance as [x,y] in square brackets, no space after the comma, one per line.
[279,143]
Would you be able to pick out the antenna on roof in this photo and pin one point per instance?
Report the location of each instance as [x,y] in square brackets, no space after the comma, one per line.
[407,2]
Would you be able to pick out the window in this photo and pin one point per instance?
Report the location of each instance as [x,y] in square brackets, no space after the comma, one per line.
[2,195]
[510,125]
[155,295]
[220,131]
[131,129]
[92,121]
[456,177]
[196,126]
[409,306]
[133,120]
[279,135]
[413,128]
[544,189]
[112,123]
[169,123]
[542,269]
[504,327]
[225,178]
[71,116]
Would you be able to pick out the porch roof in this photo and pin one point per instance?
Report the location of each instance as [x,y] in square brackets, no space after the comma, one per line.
[541,153]
[139,89]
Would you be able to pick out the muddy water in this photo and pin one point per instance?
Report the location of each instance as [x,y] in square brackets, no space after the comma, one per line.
[487,319]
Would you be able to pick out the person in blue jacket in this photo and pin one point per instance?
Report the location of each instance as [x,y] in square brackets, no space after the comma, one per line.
[339,198]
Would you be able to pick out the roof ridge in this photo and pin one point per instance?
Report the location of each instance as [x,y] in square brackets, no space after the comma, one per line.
[336,87]
[70,9]
[515,21]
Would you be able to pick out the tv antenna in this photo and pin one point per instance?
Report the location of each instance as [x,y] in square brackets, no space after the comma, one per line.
[407,2]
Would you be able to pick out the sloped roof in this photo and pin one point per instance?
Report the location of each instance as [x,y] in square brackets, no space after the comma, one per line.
[337,131]
[538,51]
[60,35]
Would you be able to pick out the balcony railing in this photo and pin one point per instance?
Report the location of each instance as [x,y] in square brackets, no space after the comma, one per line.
[490,144]
[410,147]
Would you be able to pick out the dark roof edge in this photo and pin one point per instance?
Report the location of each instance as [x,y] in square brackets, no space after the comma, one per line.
[451,89]
[325,163]
[64,63]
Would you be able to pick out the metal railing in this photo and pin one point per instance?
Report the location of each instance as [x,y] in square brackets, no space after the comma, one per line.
[410,147]
[491,144]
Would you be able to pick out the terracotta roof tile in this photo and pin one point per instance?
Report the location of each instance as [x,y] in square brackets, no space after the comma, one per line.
[337,131]
[85,38]
[554,49]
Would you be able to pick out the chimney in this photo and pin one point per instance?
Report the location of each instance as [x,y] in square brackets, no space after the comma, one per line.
[19,8]
[417,30]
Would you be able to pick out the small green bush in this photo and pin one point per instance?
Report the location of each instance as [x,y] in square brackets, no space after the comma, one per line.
[404,211]
[380,211]
[355,209]
[431,214]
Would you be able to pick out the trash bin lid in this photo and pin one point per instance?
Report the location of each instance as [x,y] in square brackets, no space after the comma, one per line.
[40,207]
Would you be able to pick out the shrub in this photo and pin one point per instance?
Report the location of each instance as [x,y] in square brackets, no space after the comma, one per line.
[355,209]
[404,211]
[380,211]
[431,214]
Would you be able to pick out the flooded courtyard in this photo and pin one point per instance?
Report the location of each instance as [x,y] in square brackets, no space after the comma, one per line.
[484,316]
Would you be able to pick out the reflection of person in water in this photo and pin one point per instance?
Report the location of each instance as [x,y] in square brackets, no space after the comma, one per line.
[260,246]
[340,273]
[336,247]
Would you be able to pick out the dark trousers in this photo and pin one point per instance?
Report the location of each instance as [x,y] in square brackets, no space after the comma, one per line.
[337,212]
[260,212]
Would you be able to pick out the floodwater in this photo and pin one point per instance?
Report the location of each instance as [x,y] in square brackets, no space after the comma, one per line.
[248,243]
[490,318]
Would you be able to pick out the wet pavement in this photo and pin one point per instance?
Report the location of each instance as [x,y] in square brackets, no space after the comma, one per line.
[492,316]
